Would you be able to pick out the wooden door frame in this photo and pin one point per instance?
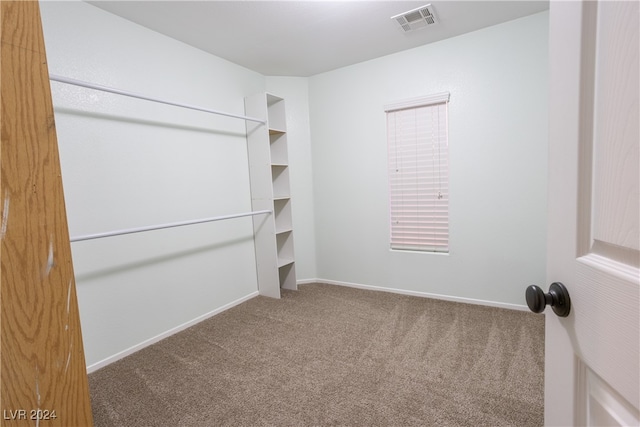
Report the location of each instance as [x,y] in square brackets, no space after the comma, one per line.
[43,377]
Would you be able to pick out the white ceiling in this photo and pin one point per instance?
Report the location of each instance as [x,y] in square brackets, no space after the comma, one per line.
[303,38]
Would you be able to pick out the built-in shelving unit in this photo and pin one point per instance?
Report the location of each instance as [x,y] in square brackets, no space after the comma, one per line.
[270,189]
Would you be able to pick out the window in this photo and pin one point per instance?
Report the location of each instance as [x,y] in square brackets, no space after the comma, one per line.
[419,174]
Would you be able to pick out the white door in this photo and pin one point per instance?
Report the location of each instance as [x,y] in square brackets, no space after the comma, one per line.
[592,356]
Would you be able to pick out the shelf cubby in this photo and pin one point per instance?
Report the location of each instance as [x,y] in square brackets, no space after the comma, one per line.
[282,213]
[276,115]
[280,181]
[278,143]
[285,248]
[287,275]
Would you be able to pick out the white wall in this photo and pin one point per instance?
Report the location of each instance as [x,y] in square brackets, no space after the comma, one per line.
[129,163]
[497,78]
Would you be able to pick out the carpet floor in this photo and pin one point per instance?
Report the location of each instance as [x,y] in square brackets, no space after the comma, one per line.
[334,356]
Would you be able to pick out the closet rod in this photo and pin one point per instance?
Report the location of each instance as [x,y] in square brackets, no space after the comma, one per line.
[162,226]
[81,83]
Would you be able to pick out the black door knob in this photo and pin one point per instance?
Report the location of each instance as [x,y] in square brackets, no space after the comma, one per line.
[557,298]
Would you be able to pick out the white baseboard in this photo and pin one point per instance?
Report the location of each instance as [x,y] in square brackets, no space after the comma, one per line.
[94,367]
[418,294]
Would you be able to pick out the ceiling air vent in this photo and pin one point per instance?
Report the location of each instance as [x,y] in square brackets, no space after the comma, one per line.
[416,18]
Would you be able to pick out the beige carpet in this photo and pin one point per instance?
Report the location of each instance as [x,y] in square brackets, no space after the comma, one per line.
[329,355]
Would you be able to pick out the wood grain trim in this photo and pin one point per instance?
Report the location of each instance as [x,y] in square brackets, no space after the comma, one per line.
[42,364]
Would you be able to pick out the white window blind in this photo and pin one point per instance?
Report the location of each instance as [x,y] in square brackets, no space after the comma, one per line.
[419,174]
